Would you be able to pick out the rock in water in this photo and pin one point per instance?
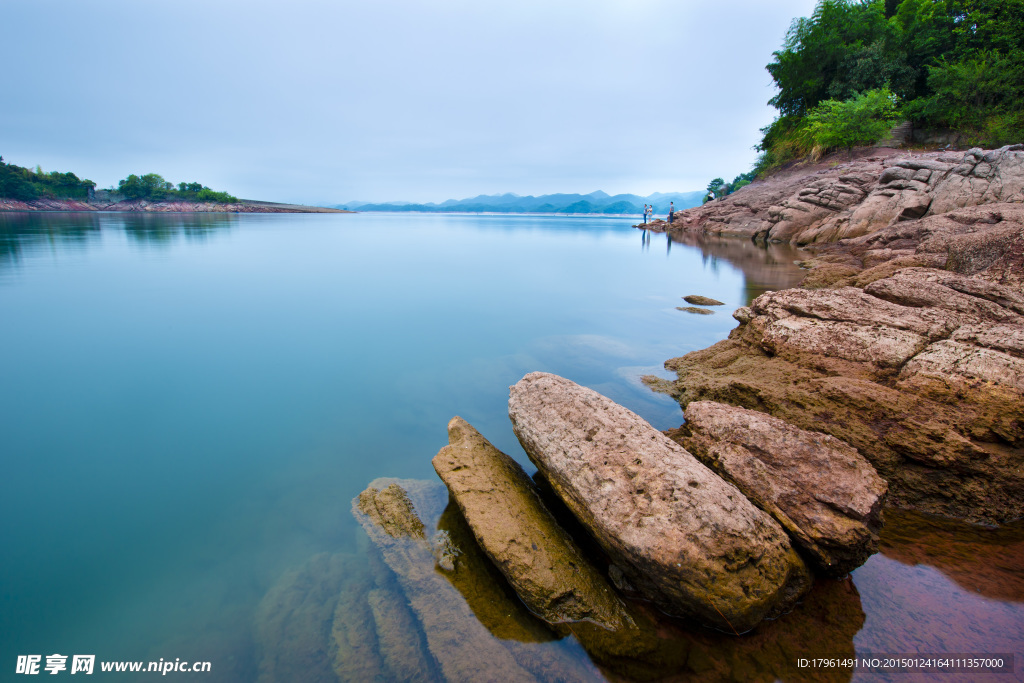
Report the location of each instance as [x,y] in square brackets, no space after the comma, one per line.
[502,507]
[821,490]
[698,300]
[682,536]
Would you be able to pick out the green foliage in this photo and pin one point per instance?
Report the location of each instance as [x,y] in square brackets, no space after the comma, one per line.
[955,63]
[860,120]
[25,184]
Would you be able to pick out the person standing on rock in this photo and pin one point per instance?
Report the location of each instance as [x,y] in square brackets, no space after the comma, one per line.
[671,212]
[645,214]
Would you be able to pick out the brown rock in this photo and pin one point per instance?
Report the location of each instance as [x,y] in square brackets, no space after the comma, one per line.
[510,523]
[680,534]
[694,309]
[824,493]
[698,300]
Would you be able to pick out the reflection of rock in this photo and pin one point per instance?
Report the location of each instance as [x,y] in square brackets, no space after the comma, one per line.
[462,646]
[681,535]
[982,560]
[294,622]
[698,300]
[824,493]
[826,622]
[694,309]
[765,267]
[514,529]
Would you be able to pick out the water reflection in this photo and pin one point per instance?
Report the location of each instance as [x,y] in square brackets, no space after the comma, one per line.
[765,268]
[161,230]
[22,233]
[25,233]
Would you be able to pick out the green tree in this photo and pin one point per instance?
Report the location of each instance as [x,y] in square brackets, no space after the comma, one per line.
[860,120]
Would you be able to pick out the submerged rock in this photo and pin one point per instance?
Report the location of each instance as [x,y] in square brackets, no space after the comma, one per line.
[295,620]
[462,646]
[821,490]
[698,300]
[680,534]
[389,510]
[694,309]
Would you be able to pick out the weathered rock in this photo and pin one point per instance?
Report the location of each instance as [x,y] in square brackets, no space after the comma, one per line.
[921,370]
[510,523]
[824,493]
[849,198]
[698,300]
[461,645]
[680,534]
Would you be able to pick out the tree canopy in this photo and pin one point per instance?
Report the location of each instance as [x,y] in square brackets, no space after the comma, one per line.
[951,63]
[26,184]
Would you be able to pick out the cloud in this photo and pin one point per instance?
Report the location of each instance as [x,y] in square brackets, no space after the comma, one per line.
[335,101]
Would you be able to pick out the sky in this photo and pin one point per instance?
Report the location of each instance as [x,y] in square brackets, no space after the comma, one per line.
[330,101]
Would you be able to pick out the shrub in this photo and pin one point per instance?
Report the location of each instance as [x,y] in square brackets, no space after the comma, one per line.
[861,120]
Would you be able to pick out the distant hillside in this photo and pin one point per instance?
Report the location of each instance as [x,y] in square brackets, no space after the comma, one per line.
[595,202]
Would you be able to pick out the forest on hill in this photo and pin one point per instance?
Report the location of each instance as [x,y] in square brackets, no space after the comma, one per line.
[853,68]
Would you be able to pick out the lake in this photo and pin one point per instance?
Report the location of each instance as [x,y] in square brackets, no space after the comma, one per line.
[190,403]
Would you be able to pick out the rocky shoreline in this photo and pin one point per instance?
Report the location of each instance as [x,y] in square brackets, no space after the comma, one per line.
[141,205]
[893,377]
[905,339]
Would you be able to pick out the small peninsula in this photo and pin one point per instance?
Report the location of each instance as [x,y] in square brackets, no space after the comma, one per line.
[24,189]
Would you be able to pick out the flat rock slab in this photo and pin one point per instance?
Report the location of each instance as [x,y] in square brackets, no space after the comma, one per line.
[820,489]
[502,506]
[681,535]
[698,300]
[694,309]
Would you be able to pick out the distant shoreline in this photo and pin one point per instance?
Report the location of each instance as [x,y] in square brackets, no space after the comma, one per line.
[143,206]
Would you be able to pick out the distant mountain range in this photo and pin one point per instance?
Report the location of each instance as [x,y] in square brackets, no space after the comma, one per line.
[595,202]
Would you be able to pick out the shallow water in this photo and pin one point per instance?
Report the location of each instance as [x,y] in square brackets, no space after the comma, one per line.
[191,401]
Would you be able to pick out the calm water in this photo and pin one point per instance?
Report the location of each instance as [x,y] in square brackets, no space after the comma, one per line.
[190,402]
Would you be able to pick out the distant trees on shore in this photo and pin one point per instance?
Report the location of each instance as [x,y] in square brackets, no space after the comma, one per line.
[17,182]
[24,184]
[153,187]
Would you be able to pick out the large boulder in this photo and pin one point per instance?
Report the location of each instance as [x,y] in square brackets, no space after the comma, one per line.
[502,506]
[680,534]
[821,490]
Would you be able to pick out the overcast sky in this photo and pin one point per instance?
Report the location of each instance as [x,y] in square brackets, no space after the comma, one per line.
[333,101]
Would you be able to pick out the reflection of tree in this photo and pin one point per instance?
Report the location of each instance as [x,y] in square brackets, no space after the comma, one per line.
[162,229]
[25,233]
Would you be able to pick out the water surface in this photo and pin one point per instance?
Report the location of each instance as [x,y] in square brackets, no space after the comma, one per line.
[191,401]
